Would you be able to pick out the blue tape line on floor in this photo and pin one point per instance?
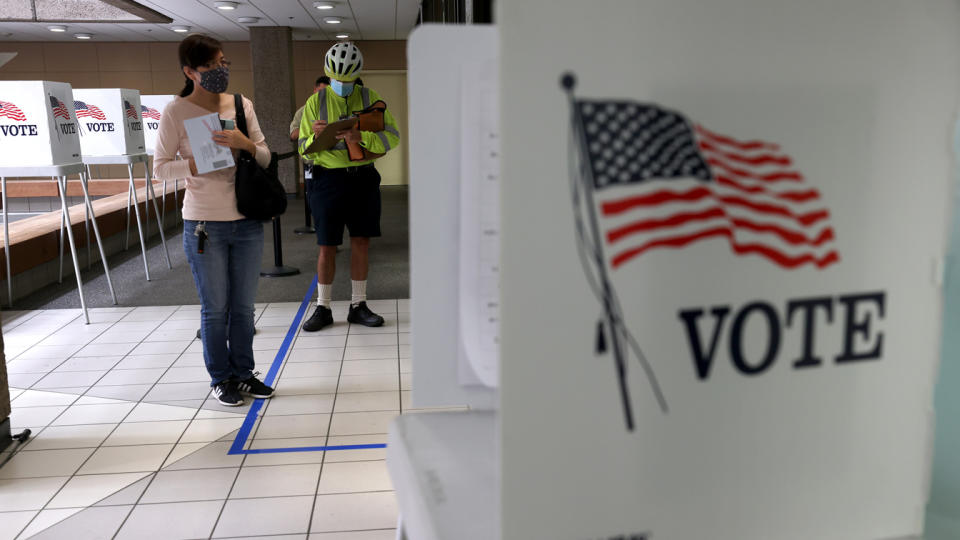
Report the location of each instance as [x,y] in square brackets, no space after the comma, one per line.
[241,440]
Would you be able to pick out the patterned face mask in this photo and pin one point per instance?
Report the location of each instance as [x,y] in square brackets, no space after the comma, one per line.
[215,81]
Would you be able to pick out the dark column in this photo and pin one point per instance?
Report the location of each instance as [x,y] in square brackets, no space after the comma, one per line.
[271,51]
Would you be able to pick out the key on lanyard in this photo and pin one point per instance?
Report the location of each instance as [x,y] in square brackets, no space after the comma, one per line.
[201,233]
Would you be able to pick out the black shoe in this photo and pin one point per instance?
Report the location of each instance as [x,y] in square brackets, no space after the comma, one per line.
[227,394]
[320,319]
[361,314]
[254,387]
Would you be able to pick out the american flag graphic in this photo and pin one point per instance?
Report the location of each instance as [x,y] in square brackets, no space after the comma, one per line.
[129,111]
[149,112]
[88,111]
[661,181]
[59,109]
[11,111]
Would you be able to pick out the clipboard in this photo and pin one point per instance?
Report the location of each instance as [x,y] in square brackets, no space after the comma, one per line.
[328,137]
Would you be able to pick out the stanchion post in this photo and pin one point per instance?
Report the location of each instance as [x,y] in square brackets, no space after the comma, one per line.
[278,270]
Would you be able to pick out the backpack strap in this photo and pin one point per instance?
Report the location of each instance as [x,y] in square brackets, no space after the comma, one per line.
[241,117]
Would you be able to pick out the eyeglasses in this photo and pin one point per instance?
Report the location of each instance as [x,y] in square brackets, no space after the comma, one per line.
[214,65]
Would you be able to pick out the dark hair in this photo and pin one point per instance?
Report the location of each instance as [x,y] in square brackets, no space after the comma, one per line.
[196,50]
[358,81]
[323,79]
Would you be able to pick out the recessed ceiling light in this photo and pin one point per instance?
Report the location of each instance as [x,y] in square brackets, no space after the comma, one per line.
[57,28]
[332,20]
[180,29]
[323,5]
[343,36]
[248,20]
[225,5]
[83,36]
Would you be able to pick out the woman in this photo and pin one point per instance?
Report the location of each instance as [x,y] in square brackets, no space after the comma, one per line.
[224,248]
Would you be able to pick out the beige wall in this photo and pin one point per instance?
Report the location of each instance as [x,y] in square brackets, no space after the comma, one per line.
[153,68]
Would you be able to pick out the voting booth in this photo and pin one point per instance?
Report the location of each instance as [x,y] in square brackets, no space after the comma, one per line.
[110,123]
[37,124]
[151,111]
[710,325]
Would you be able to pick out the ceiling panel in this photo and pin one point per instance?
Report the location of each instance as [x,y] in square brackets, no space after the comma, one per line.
[362,19]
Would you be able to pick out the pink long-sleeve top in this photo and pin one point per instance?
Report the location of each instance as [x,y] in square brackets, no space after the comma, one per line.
[210,196]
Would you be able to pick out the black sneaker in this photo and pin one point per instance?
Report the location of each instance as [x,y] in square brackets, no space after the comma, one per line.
[320,319]
[227,394]
[254,387]
[361,314]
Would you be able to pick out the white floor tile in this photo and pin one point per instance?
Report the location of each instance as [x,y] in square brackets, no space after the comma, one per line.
[46,519]
[161,347]
[382,307]
[184,334]
[91,523]
[380,534]
[42,398]
[167,521]
[148,316]
[70,378]
[127,392]
[311,404]
[178,391]
[23,380]
[49,351]
[209,430]
[312,341]
[35,416]
[119,459]
[14,522]
[34,365]
[193,485]
[406,381]
[186,374]
[286,458]
[355,477]
[310,369]
[106,349]
[58,437]
[366,454]
[94,414]
[147,361]
[384,382]
[83,491]
[44,463]
[361,423]
[354,511]
[135,433]
[276,481]
[202,456]
[190,359]
[263,343]
[371,367]
[305,385]
[406,365]
[286,427]
[372,340]
[28,493]
[90,363]
[131,376]
[368,401]
[405,351]
[326,354]
[96,400]
[370,353]
[404,338]
[256,517]
[179,324]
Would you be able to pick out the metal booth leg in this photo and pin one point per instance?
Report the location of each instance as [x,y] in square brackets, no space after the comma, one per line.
[163,205]
[63,230]
[136,209]
[96,232]
[126,242]
[6,240]
[153,197]
[73,246]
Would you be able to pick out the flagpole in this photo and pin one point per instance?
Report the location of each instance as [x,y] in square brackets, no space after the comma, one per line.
[569,82]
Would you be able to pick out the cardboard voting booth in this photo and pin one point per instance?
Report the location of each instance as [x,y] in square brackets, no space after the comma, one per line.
[721,293]
[37,124]
[151,110]
[109,121]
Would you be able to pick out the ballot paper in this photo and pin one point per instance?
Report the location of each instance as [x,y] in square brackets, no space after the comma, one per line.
[208,155]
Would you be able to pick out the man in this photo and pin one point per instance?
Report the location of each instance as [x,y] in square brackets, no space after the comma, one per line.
[321,83]
[343,192]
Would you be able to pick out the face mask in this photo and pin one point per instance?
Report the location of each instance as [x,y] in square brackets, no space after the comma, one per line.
[342,89]
[215,81]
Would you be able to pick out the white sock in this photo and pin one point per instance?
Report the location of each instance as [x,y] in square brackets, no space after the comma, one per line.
[324,292]
[359,292]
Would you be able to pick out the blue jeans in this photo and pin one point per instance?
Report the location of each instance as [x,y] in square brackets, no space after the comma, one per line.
[226,275]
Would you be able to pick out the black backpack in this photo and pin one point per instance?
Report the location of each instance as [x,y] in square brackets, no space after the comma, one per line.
[260,195]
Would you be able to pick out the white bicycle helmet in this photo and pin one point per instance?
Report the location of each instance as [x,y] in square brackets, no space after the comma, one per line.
[343,62]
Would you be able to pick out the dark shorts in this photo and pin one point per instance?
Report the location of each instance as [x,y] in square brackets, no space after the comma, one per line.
[344,197]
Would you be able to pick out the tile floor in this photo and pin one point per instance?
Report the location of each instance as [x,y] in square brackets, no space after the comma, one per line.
[127,442]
